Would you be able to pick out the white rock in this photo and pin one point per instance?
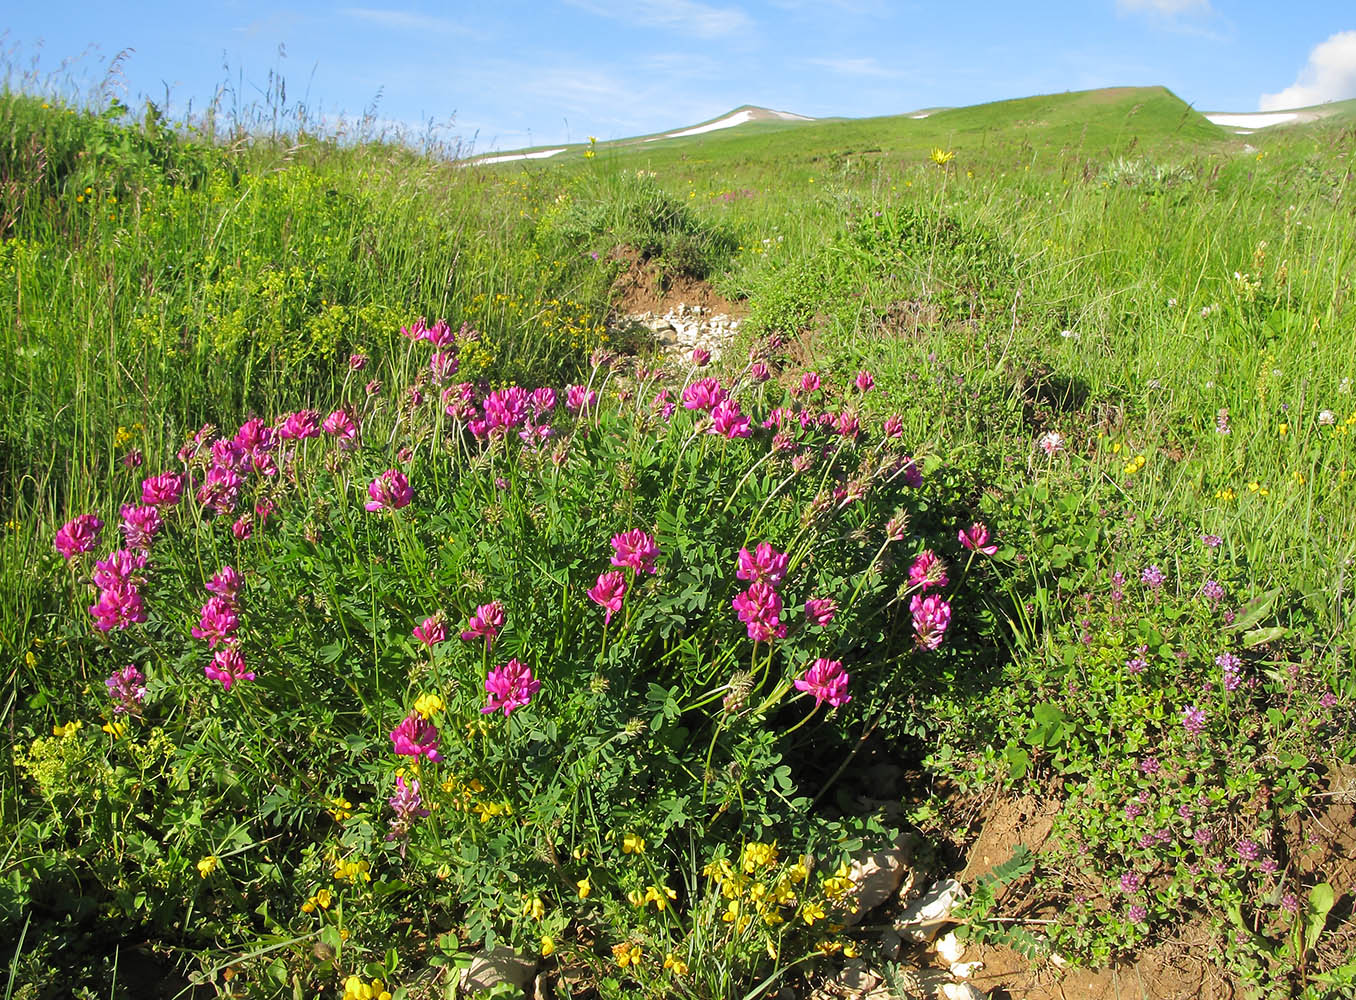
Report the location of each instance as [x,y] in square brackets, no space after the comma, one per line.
[490,968]
[961,991]
[924,918]
[877,876]
[950,949]
[964,970]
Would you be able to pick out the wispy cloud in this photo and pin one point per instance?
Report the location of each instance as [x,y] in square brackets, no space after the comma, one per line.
[688,16]
[859,67]
[405,20]
[1165,8]
[1329,75]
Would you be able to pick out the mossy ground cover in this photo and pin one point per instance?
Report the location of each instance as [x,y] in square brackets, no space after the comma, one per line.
[1113,334]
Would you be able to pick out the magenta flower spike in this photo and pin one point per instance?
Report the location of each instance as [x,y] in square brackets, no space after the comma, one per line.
[485,623]
[228,667]
[579,398]
[217,623]
[931,616]
[432,631]
[408,805]
[826,680]
[728,421]
[635,549]
[760,608]
[704,394]
[865,382]
[928,571]
[390,490]
[81,534]
[127,688]
[416,737]
[226,583]
[510,687]
[820,610]
[763,565]
[164,490]
[300,425]
[608,593]
[976,539]
[893,426]
[140,525]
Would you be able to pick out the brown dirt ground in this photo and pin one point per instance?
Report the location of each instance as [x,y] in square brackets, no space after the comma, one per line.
[641,288]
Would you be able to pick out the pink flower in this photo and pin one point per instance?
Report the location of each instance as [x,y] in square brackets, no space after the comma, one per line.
[443,365]
[357,362]
[510,687]
[416,737]
[820,610]
[897,527]
[763,565]
[1051,442]
[439,334]
[226,584]
[485,623]
[865,382]
[809,382]
[228,666]
[165,489]
[912,477]
[826,681]
[243,527]
[608,592]
[728,421]
[119,568]
[894,426]
[977,539]
[340,425]
[931,616]
[701,357]
[505,409]
[635,549]
[578,398]
[760,608]
[78,535]
[408,806]
[928,571]
[300,425]
[543,400]
[127,688]
[704,394]
[119,605]
[390,490]
[217,623]
[432,631]
[847,425]
[759,372]
[139,525]
[133,459]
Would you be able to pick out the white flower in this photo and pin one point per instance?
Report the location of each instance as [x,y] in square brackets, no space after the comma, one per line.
[1327,418]
[1051,442]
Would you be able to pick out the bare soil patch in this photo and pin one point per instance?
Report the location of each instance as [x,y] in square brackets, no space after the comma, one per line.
[644,287]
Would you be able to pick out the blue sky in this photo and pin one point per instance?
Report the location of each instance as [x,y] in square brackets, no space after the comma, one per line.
[509,74]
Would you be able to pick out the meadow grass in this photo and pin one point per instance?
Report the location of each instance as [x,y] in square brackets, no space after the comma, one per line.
[1107,327]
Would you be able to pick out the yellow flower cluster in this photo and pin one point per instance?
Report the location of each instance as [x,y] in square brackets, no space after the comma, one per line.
[463,799]
[352,872]
[659,895]
[750,894]
[340,808]
[322,900]
[627,953]
[428,705]
[356,989]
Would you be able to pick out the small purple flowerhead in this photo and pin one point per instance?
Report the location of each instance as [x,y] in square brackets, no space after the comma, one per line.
[390,490]
[485,623]
[164,490]
[416,737]
[228,667]
[977,539]
[432,630]
[127,688]
[864,382]
[931,616]
[704,394]
[1152,577]
[635,549]
[928,571]
[1193,720]
[820,610]
[701,357]
[763,565]
[608,593]
[81,534]
[217,623]
[226,583]
[140,525]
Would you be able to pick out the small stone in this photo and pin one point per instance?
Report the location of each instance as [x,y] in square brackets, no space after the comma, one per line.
[924,918]
[964,970]
[950,949]
[501,965]
[878,875]
[890,943]
[961,991]
[857,977]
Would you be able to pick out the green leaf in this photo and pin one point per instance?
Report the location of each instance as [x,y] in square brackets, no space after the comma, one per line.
[1254,611]
[1321,900]
[1261,636]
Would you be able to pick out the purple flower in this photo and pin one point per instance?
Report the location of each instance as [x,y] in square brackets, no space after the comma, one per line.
[729,421]
[1193,720]
[510,687]
[704,394]
[485,623]
[217,623]
[300,425]
[760,608]
[1136,913]
[139,525]
[894,426]
[931,616]
[357,362]
[340,425]
[416,737]
[1248,849]
[928,571]
[1212,541]
[809,382]
[825,680]
[1289,903]
[864,382]
[127,688]
[820,610]
[1152,577]
[701,357]
[1131,881]
[226,584]
[1212,591]
[1149,765]
[635,549]
[80,534]
[432,631]
[442,365]
[1232,668]
[608,593]
[763,565]
[390,490]
[227,667]
[118,606]
[759,372]
[164,490]
[977,539]
[408,806]
[579,399]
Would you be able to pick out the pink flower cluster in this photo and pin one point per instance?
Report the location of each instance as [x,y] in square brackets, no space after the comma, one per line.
[78,535]
[826,681]
[976,539]
[127,688]
[931,616]
[432,631]
[140,525]
[485,623]
[608,593]
[760,606]
[416,737]
[389,491]
[119,582]
[408,806]
[928,571]
[635,550]
[219,624]
[510,687]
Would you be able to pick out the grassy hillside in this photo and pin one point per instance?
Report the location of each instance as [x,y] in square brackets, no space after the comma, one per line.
[1112,336]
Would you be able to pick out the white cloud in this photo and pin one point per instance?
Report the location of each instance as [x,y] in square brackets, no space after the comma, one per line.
[687,16]
[1329,75]
[858,67]
[404,20]
[1165,8]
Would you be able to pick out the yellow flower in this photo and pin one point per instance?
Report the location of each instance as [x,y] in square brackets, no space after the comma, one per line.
[308,906]
[633,844]
[811,912]
[940,156]
[1281,430]
[428,705]
[627,953]
[115,729]
[534,908]
[675,963]
[208,865]
[584,888]
[660,897]
[324,898]
[636,897]
[69,729]
[548,945]
[850,950]
[340,808]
